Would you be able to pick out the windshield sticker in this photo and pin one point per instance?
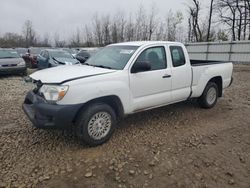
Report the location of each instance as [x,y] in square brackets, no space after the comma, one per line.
[126,51]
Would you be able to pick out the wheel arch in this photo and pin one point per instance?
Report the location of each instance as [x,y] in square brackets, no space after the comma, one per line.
[112,100]
[218,81]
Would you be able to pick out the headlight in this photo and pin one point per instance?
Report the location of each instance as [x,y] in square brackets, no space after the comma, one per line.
[22,63]
[53,93]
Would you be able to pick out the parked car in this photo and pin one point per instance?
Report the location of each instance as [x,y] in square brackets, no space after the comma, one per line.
[72,51]
[21,51]
[122,79]
[11,62]
[31,57]
[83,55]
[53,57]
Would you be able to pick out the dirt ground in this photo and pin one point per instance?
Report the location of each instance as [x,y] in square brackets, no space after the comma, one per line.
[180,145]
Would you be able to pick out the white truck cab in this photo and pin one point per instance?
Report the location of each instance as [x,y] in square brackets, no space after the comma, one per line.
[122,79]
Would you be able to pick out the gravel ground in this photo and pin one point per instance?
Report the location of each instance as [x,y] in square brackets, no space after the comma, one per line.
[180,145]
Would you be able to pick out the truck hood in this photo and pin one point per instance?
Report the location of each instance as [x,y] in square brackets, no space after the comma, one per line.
[62,74]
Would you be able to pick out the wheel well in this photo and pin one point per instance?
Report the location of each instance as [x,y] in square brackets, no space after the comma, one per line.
[112,101]
[218,81]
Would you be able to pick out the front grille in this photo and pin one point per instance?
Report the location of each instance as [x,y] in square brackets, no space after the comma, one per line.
[9,65]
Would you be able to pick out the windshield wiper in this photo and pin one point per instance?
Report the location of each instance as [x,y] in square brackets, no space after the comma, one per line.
[86,64]
[103,66]
[58,61]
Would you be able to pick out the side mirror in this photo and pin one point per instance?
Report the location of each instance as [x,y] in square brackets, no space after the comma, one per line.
[140,67]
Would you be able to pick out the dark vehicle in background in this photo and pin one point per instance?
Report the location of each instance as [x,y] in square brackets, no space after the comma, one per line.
[11,62]
[53,57]
[83,55]
[31,57]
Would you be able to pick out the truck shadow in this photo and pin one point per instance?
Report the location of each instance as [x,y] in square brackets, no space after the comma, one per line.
[67,138]
[175,111]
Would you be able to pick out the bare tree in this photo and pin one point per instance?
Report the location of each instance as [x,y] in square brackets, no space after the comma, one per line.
[10,40]
[59,43]
[160,32]
[46,41]
[235,15]
[76,39]
[248,7]
[194,18]
[97,26]
[152,25]
[29,34]
[140,24]
[173,21]
[210,19]
[106,29]
[88,37]
[222,36]
[130,29]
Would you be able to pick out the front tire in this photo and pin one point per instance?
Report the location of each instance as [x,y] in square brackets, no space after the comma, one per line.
[95,124]
[209,96]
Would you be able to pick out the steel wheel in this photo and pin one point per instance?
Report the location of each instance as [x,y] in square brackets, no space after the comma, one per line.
[99,125]
[211,95]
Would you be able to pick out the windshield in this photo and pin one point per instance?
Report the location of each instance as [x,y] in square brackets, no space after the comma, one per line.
[8,54]
[21,50]
[35,50]
[72,51]
[114,57]
[61,54]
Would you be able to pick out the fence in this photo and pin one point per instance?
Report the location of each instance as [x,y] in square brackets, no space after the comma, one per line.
[237,51]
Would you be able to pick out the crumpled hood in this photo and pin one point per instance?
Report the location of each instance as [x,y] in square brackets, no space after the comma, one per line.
[62,74]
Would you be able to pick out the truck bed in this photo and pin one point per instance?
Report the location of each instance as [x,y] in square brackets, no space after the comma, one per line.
[205,62]
[204,70]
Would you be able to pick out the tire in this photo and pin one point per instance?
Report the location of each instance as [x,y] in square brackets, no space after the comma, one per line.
[87,124]
[29,65]
[24,73]
[209,96]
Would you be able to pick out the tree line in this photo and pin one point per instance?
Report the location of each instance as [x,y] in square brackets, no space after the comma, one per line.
[232,17]
[223,20]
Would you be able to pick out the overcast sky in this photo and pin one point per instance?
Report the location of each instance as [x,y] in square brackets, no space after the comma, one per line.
[64,16]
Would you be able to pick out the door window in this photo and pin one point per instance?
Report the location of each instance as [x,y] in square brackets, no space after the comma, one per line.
[42,53]
[178,57]
[46,54]
[155,56]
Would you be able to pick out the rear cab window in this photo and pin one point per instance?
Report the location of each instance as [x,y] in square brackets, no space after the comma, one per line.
[177,55]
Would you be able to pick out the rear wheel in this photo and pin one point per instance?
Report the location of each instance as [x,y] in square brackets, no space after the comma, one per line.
[209,96]
[96,124]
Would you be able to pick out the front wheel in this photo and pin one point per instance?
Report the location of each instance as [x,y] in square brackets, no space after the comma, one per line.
[96,124]
[209,96]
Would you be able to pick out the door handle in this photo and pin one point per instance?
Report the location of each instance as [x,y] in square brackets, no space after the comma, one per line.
[166,76]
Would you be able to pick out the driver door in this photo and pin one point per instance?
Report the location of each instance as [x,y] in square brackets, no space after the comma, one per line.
[151,88]
[43,60]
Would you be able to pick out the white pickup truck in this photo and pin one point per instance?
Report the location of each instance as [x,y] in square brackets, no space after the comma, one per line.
[122,79]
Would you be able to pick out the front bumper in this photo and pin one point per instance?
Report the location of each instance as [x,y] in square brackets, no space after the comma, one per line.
[44,115]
